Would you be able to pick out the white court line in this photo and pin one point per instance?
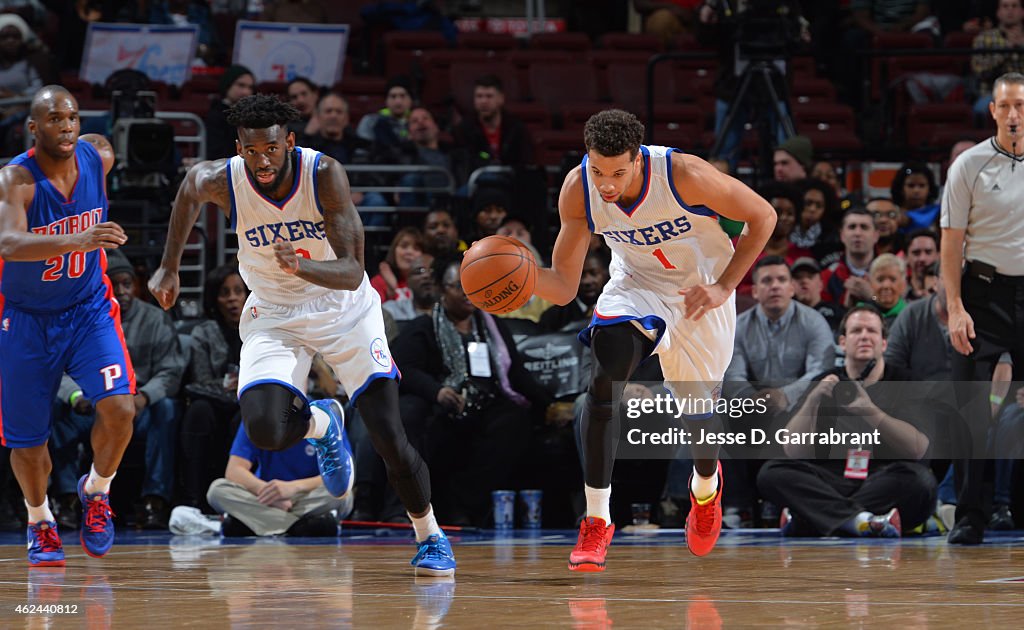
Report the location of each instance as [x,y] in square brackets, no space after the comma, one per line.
[566,598]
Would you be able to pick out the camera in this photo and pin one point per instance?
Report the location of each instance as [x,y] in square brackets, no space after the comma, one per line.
[845,391]
[766,30]
[477,400]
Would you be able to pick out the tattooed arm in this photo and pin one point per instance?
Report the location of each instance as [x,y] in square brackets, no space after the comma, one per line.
[344,233]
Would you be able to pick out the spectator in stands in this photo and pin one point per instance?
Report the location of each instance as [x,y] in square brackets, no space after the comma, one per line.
[492,136]
[393,272]
[846,281]
[888,277]
[426,149]
[808,289]
[420,281]
[283,495]
[475,402]
[892,496]
[1008,33]
[792,159]
[389,127]
[914,190]
[826,172]
[490,207]
[19,76]
[296,11]
[304,95]
[336,137]
[780,346]
[182,12]
[815,225]
[888,217]
[922,255]
[518,227]
[212,414]
[236,82]
[668,19]
[159,364]
[789,204]
[576,314]
[441,234]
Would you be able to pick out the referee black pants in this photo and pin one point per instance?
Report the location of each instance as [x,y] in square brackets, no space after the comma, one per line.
[997,308]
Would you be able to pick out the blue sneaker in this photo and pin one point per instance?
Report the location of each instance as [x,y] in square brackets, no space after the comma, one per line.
[44,546]
[435,557]
[333,454]
[97,534]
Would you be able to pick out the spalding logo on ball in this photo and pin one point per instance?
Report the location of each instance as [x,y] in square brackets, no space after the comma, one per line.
[499,274]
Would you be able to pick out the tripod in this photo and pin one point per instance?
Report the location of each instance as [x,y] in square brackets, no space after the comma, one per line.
[756,87]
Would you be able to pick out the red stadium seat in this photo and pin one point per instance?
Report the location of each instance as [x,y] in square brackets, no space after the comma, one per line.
[556,84]
[570,42]
[631,41]
[405,49]
[492,42]
[925,120]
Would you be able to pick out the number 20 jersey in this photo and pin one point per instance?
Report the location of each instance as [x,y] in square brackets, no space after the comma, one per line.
[53,285]
[658,242]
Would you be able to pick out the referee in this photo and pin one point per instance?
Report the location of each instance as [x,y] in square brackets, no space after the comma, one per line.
[983,234]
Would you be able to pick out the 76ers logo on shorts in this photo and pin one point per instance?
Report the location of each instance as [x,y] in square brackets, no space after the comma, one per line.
[6,324]
[379,352]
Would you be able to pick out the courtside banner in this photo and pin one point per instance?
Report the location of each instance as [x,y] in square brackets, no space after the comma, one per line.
[163,53]
[281,52]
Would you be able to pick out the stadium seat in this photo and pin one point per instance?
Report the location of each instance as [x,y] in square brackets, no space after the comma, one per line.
[404,50]
[631,41]
[569,42]
[556,84]
[925,120]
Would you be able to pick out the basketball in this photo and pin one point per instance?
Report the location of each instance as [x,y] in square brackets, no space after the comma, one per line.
[498,274]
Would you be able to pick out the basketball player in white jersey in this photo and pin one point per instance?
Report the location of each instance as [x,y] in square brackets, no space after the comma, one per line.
[301,254]
[673,276]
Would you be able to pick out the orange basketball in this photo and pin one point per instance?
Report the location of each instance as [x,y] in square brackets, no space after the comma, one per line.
[498,274]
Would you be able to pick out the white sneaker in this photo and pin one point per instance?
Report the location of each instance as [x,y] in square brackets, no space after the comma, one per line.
[189,520]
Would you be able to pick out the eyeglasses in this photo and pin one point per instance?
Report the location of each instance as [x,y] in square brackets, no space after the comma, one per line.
[419,270]
[892,214]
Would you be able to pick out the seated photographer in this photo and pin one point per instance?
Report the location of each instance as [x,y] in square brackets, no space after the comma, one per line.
[467,396]
[880,488]
[283,495]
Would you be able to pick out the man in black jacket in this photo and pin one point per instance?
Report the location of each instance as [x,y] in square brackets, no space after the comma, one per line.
[466,394]
[492,136]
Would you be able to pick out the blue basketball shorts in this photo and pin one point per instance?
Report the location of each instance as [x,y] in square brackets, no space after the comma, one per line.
[36,349]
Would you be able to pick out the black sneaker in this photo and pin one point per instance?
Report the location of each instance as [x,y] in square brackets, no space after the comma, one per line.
[966,532]
[318,526]
[234,528]
[1002,519]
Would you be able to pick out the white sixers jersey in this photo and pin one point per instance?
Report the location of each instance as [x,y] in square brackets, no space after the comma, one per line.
[658,243]
[259,221]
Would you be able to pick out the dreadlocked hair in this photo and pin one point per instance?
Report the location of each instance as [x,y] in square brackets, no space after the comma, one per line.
[613,132]
[261,111]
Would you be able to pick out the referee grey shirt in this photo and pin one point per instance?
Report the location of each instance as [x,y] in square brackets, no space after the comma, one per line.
[985,195]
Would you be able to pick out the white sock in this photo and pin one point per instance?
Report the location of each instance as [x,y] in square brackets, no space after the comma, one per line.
[97,483]
[703,487]
[599,503]
[318,423]
[857,524]
[426,525]
[39,513]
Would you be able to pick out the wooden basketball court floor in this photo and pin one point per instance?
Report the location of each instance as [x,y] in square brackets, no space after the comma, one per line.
[753,578]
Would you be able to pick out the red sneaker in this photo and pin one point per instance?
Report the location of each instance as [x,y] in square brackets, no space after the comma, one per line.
[591,546]
[704,523]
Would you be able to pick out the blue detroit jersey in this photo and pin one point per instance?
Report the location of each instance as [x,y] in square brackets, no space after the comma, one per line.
[62,281]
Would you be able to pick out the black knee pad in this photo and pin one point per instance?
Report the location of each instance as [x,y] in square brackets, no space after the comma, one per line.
[275,417]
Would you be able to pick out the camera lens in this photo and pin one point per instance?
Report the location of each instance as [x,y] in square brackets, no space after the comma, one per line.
[844,392]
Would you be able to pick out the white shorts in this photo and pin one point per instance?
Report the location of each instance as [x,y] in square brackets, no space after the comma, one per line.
[345,327]
[693,354]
